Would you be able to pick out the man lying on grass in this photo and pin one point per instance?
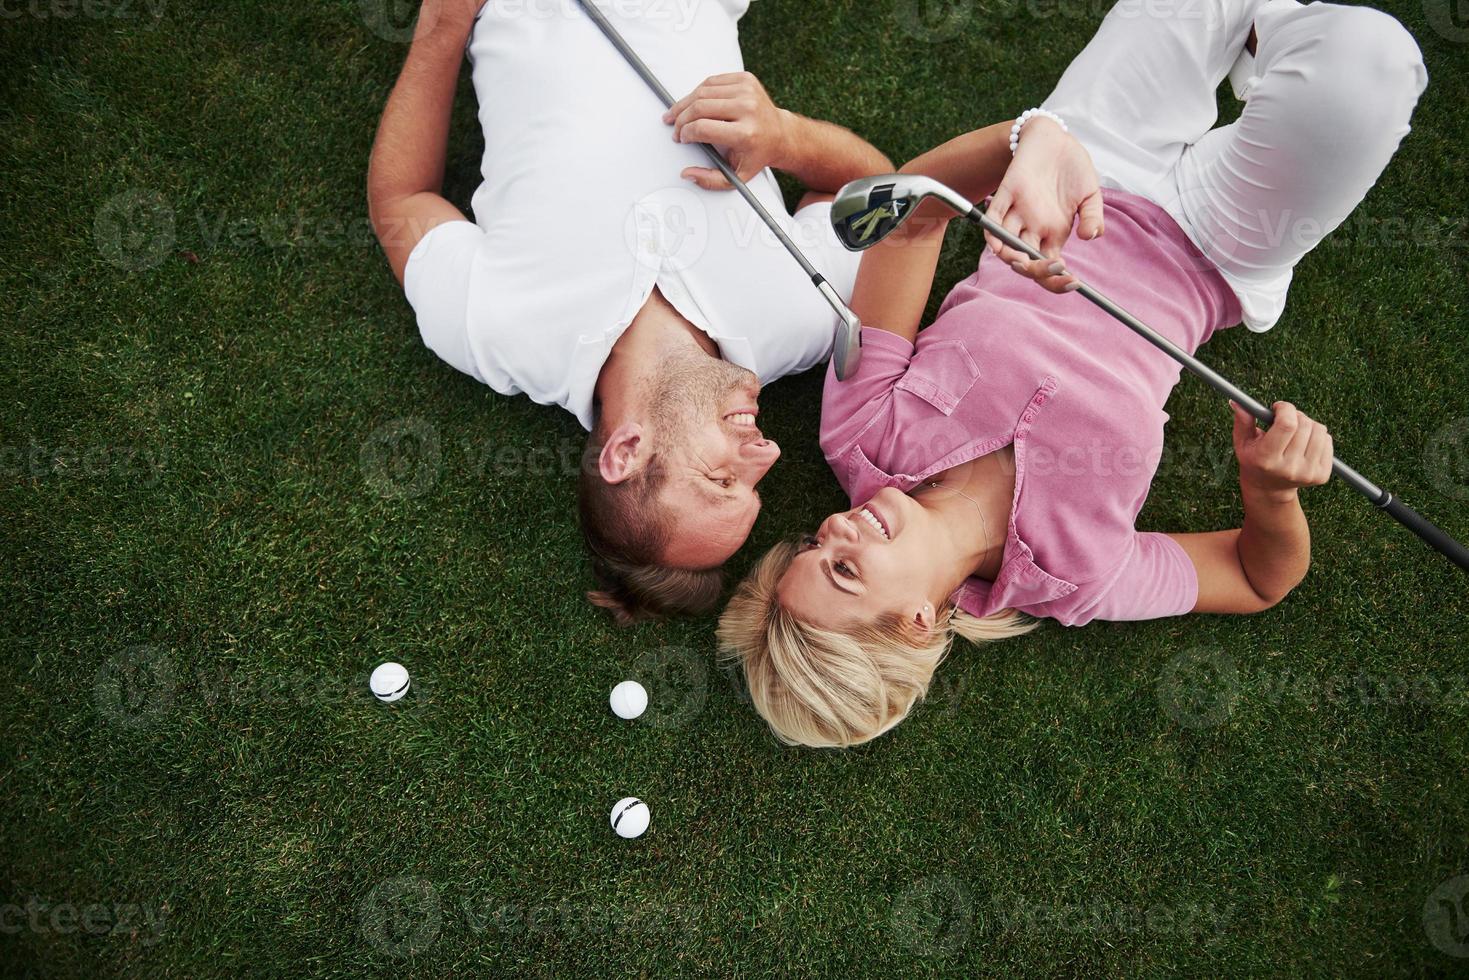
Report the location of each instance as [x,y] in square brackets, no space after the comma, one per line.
[609,271]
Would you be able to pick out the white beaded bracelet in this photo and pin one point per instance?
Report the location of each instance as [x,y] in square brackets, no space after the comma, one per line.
[1026,117]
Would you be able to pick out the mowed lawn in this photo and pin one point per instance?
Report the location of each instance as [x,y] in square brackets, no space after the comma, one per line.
[232,480]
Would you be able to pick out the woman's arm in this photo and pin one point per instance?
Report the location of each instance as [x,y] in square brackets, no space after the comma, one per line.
[1051,185]
[1274,541]
[1253,567]
[896,274]
[1038,195]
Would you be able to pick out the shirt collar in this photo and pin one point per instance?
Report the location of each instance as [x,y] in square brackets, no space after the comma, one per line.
[1021,583]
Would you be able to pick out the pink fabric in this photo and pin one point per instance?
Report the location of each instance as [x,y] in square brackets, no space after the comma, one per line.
[1078,394]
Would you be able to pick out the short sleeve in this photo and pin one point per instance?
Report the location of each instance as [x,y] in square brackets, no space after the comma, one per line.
[1158,580]
[437,283]
[847,406]
[831,258]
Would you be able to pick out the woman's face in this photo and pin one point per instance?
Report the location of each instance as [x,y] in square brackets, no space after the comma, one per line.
[878,559]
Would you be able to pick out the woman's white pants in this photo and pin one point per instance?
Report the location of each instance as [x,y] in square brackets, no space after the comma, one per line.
[1328,95]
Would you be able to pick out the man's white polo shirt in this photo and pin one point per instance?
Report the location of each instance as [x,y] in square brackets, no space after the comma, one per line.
[582,211]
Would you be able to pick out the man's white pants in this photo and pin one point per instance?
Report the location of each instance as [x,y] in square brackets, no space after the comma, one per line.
[1328,96]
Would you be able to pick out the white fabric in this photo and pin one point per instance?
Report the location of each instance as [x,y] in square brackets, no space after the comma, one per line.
[1328,96]
[582,211]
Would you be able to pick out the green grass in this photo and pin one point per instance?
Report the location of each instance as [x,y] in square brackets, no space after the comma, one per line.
[200,568]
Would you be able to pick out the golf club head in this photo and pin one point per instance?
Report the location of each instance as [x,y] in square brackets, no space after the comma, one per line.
[846,349]
[846,352]
[869,209]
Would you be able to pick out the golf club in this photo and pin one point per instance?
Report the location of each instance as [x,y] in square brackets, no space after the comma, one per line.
[867,210]
[847,350]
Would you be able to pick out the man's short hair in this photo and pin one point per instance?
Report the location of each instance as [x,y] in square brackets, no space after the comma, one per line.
[626,531]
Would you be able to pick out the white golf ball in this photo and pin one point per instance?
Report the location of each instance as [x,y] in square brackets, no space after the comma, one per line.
[389,682]
[630,817]
[629,700]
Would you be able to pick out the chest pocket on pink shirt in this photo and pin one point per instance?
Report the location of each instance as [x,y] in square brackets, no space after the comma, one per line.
[941,373]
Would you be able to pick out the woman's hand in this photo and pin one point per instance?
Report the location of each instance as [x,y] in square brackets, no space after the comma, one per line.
[1050,183]
[1295,452]
[735,112]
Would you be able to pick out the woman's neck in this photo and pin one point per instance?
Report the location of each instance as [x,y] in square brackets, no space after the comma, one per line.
[973,500]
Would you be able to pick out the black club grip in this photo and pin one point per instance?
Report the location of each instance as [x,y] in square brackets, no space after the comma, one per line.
[1427,530]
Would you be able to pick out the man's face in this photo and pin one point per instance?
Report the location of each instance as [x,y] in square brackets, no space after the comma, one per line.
[713,453]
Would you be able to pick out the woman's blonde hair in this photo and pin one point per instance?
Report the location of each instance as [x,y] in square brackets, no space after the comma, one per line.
[828,689]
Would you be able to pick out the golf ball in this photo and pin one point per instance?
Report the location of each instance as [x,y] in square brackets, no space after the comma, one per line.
[629,700]
[630,817]
[389,682]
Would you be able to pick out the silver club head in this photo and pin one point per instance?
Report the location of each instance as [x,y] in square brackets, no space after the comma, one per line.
[869,209]
[846,350]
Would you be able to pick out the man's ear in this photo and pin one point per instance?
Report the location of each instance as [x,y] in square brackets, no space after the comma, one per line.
[624,454]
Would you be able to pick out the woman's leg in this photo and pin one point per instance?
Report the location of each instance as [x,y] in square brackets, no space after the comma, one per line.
[1334,89]
[1143,89]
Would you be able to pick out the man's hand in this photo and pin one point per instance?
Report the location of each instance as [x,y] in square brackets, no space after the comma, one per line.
[735,112]
[1050,183]
[1295,452]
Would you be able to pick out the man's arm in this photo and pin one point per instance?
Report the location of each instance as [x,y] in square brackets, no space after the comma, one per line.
[824,156]
[406,172]
[735,112]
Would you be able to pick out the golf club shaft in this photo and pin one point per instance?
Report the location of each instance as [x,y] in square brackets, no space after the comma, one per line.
[1401,512]
[717,158]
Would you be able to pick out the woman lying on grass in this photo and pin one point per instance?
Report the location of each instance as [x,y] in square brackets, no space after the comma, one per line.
[999,459]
